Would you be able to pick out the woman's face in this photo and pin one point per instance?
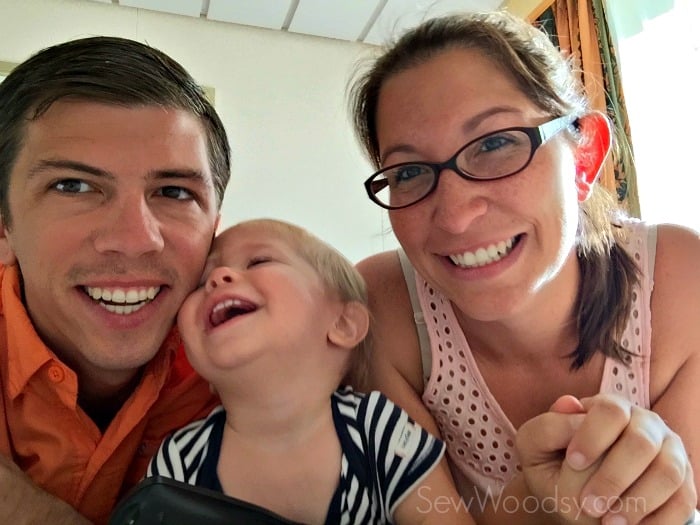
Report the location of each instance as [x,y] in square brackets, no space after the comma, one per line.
[488,245]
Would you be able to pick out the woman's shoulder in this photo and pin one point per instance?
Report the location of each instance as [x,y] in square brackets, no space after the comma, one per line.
[379,267]
[675,303]
[677,257]
[672,244]
[680,240]
[396,348]
[386,284]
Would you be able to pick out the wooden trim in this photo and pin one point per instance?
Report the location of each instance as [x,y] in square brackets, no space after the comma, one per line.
[210,93]
[6,67]
[530,10]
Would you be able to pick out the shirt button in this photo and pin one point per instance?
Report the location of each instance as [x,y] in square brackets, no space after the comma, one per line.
[56,374]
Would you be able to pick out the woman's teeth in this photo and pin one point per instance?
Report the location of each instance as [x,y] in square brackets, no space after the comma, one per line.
[483,256]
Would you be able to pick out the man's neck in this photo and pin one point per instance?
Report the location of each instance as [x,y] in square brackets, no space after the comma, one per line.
[101,401]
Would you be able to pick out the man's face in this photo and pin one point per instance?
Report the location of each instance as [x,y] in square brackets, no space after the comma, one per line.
[113,211]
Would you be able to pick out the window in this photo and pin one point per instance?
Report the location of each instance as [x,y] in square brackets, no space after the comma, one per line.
[658,47]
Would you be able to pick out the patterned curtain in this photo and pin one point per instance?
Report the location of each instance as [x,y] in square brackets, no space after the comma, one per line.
[583,32]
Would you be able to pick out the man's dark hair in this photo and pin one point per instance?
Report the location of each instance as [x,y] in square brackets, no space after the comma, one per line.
[109,70]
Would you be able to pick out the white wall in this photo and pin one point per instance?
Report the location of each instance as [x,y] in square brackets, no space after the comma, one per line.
[280,95]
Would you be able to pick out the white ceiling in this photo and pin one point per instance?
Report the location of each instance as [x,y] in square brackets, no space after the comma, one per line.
[369,21]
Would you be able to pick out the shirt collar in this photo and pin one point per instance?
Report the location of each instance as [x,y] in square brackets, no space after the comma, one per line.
[27,353]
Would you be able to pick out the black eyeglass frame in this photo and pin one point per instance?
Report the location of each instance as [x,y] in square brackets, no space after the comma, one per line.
[538,135]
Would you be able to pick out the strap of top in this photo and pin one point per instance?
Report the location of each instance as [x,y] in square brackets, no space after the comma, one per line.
[418,319]
[651,248]
[421,329]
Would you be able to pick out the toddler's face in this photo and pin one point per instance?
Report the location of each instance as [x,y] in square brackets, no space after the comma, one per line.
[258,298]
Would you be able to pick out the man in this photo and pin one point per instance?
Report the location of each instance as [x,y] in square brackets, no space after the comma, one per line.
[113,167]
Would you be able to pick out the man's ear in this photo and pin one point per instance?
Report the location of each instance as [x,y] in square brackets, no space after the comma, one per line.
[7,254]
[596,139]
[351,326]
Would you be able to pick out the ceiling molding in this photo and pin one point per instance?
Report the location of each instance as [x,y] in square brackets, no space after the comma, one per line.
[368,21]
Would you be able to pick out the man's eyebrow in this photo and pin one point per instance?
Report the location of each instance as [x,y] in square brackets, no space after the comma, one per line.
[191,174]
[80,167]
[69,165]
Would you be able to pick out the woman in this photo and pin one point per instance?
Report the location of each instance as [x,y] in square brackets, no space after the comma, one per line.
[533,293]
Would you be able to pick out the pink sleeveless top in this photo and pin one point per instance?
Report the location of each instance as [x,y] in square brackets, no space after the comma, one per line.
[480,438]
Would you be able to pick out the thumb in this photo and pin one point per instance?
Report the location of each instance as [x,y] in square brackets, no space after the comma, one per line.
[567,405]
[544,437]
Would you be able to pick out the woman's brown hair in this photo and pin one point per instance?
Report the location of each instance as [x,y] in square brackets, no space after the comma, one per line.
[608,273]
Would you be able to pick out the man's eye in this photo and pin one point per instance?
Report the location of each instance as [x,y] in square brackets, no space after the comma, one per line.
[72,186]
[175,192]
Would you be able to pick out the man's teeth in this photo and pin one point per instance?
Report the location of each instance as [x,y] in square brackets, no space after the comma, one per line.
[483,256]
[120,300]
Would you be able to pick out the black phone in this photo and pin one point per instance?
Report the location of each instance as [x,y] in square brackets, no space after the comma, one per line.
[164,501]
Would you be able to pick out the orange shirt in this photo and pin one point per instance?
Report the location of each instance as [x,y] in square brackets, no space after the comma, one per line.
[48,435]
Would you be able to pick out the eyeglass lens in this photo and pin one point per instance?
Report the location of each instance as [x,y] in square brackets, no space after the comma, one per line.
[493,156]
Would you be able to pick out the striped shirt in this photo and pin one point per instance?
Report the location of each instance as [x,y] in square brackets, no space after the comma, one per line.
[384,456]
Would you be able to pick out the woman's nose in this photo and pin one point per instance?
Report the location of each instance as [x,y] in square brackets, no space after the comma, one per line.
[458,202]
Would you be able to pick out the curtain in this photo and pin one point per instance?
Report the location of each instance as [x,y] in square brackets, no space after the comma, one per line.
[583,33]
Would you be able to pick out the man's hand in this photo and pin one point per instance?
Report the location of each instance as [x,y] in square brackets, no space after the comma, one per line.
[23,503]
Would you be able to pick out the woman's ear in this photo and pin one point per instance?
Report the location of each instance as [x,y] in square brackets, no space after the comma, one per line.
[351,326]
[7,254]
[596,139]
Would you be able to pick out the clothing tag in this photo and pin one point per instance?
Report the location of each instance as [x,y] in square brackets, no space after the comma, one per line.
[405,437]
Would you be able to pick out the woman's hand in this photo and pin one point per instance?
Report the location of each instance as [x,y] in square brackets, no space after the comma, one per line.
[603,457]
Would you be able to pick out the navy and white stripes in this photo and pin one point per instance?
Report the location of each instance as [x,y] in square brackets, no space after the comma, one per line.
[385,456]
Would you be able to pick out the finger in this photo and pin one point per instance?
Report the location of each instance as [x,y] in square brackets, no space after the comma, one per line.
[665,493]
[679,508]
[632,456]
[567,405]
[606,419]
[545,434]
[569,487]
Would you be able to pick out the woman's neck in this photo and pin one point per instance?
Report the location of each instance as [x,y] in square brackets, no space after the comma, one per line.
[544,327]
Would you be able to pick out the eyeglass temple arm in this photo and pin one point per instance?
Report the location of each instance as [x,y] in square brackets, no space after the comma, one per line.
[377,185]
[549,129]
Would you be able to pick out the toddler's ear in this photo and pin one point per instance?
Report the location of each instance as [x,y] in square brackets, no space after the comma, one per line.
[7,254]
[596,139]
[351,326]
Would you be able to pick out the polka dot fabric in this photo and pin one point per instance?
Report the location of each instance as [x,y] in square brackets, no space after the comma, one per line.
[479,436]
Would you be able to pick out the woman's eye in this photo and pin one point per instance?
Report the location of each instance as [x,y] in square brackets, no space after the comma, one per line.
[406,173]
[175,192]
[494,142]
[72,186]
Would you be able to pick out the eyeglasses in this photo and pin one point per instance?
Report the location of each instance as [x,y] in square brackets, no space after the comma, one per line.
[492,156]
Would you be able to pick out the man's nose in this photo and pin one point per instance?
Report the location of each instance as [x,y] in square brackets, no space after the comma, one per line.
[130,227]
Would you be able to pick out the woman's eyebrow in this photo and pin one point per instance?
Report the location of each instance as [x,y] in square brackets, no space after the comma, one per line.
[479,118]
[467,127]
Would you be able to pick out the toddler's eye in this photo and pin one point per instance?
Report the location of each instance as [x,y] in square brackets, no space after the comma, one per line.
[260,259]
